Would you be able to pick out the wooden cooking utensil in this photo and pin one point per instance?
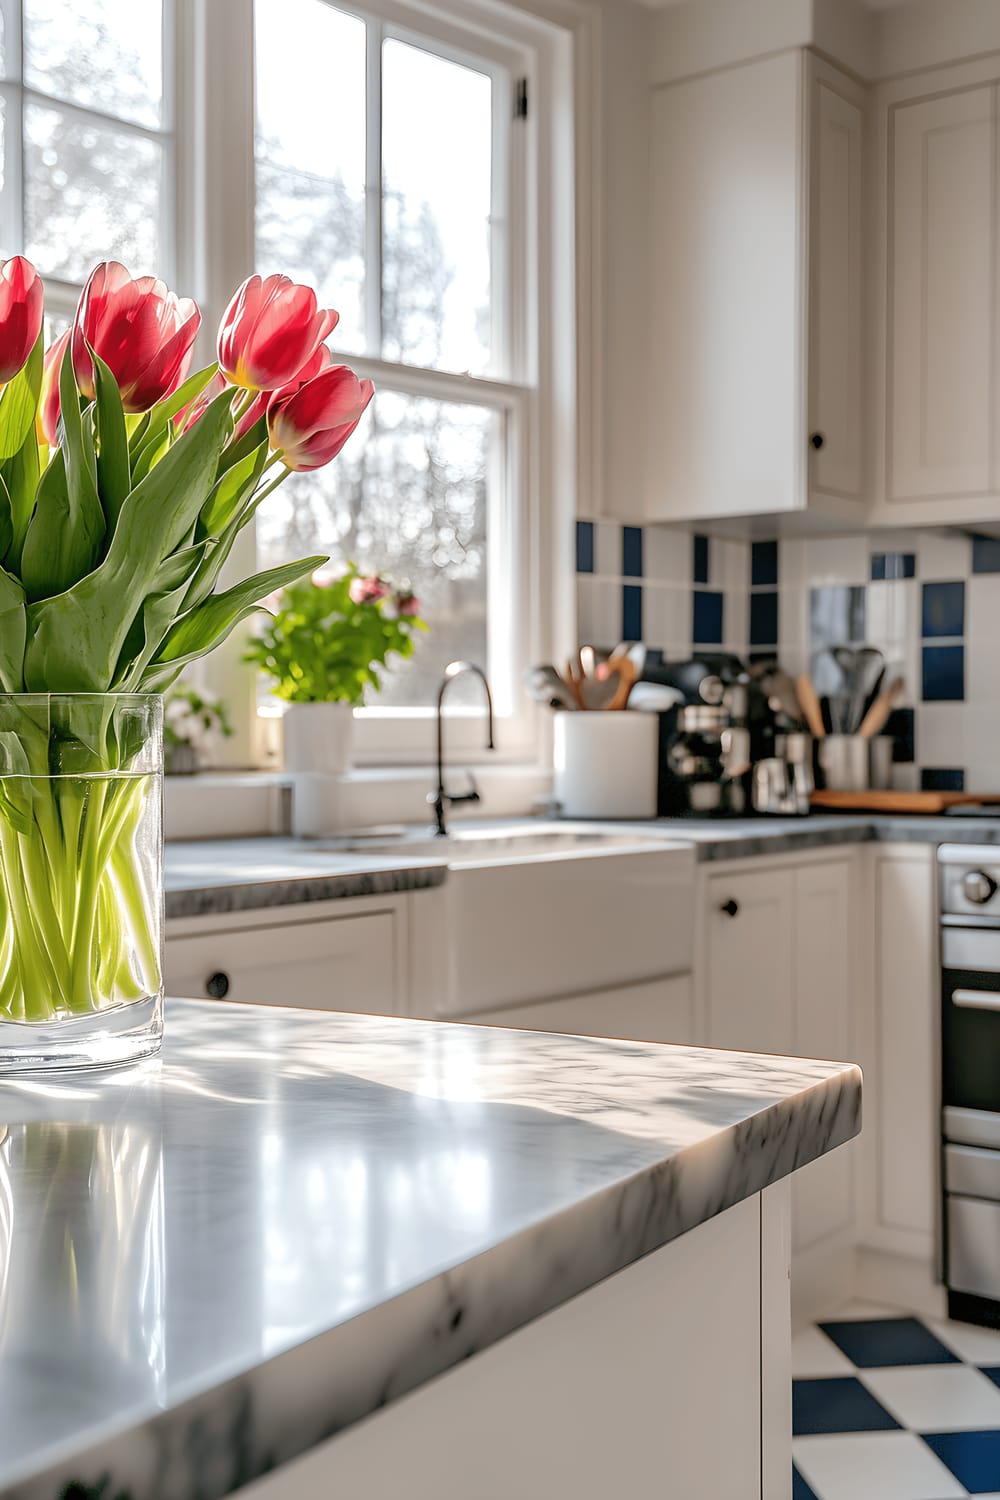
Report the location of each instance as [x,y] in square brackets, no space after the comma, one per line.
[810,706]
[627,672]
[877,716]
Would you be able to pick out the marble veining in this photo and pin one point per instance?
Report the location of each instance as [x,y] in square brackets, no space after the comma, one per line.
[213,1261]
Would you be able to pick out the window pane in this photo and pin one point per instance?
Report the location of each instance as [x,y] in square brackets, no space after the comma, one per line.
[310,153]
[407,497]
[107,54]
[90,193]
[437,147]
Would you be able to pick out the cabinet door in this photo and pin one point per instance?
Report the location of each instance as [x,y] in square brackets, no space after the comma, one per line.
[824,946]
[658,1011]
[835,280]
[748,962]
[940,332]
[346,964]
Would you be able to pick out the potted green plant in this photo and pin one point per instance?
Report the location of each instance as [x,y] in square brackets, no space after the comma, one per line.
[190,722]
[327,644]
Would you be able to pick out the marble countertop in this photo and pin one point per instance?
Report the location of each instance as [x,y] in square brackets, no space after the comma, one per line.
[213,1261]
[223,875]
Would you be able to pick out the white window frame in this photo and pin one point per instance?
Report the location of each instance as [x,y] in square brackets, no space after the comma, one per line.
[61,296]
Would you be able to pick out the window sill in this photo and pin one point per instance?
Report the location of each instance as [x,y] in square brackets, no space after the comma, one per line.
[246,804]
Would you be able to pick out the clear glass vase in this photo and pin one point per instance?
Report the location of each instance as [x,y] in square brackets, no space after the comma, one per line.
[81,879]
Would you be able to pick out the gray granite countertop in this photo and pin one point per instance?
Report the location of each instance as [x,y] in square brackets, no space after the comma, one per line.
[223,875]
[741,838]
[214,1260]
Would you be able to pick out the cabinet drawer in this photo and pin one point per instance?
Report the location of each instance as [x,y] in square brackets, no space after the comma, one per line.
[345,964]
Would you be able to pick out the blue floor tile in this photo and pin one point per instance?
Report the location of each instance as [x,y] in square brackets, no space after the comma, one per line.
[973,1458]
[873,1343]
[800,1490]
[992,1372]
[840,1404]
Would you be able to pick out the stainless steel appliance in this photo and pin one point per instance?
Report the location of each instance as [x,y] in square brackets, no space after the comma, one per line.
[970,1079]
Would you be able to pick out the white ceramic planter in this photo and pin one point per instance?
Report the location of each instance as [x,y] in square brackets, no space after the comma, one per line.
[606,765]
[318,743]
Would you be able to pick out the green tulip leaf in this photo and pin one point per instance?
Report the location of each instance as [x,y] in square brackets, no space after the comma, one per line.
[77,637]
[18,402]
[230,492]
[20,475]
[13,633]
[152,433]
[159,612]
[6,519]
[113,476]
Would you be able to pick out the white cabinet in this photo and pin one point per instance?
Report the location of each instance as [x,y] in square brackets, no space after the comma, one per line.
[756,300]
[660,1010]
[777,974]
[347,962]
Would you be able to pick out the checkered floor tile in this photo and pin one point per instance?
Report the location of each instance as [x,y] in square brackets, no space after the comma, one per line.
[895,1408]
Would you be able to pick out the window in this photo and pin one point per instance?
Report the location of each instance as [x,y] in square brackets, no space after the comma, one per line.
[86,153]
[394,190]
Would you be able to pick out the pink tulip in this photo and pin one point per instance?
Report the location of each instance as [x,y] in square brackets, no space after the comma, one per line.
[21,308]
[368,590]
[309,427]
[142,331]
[269,331]
[407,604]
[47,415]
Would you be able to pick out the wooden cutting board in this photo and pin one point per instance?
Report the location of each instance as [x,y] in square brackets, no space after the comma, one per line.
[926,803]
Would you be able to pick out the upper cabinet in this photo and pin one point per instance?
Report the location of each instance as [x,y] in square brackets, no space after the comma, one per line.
[936,328]
[755,357]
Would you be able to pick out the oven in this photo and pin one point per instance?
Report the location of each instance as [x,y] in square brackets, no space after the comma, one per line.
[970,1079]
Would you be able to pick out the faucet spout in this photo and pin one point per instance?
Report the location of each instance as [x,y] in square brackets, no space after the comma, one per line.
[441,798]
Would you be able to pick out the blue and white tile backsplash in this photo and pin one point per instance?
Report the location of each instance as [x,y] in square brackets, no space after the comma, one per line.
[930,600]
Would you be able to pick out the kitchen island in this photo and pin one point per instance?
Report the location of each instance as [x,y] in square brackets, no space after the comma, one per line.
[306,1254]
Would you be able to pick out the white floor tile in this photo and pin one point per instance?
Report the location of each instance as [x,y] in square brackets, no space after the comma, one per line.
[861,1310]
[936,1398]
[814,1354]
[980,1346]
[874,1466]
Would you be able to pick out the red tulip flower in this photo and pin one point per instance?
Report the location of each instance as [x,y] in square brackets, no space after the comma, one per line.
[269,331]
[21,307]
[47,415]
[310,426]
[142,331]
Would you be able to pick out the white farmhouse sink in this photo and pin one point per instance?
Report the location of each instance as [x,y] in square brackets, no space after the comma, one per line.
[539,911]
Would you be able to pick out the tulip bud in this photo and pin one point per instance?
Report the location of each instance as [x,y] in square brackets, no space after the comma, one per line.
[47,415]
[269,331]
[407,603]
[141,330]
[368,590]
[309,427]
[21,308]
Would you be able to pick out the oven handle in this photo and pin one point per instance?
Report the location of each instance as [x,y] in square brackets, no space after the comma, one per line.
[976,999]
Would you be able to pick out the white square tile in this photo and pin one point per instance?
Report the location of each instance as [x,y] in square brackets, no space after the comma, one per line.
[667,555]
[982,633]
[728,563]
[791,562]
[813,1354]
[793,616]
[608,549]
[736,618]
[936,1398]
[943,555]
[981,743]
[906,778]
[599,611]
[874,1466]
[892,619]
[666,618]
[980,1346]
[837,559]
[940,734]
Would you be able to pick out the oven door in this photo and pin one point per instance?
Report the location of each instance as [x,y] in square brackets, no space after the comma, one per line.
[970,1018]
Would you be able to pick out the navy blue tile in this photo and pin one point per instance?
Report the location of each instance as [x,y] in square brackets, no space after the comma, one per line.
[901,726]
[631,612]
[700,559]
[632,551]
[973,1458]
[706,618]
[764,563]
[943,674]
[944,609]
[800,1490]
[766,653]
[654,657]
[993,1371]
[837,615]
[764,618]
[941,779]
[584,546]
[893,565]
[876,1342]
[985,554]
[838,1405]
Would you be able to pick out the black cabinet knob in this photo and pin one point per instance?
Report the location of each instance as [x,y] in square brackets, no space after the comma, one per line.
[730,908]
[817,440]
[217,985]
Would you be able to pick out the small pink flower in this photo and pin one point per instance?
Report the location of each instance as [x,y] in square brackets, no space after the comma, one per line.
[368,590]
[408,604]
